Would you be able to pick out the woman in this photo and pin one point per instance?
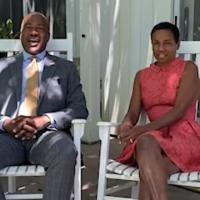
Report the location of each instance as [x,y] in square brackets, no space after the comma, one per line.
[167,90]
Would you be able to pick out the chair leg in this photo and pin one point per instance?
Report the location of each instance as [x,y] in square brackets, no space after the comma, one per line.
[11,184]
[134,190]
[104,136]
[78,129]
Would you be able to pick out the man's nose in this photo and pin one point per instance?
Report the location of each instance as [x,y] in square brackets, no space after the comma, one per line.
[34,32]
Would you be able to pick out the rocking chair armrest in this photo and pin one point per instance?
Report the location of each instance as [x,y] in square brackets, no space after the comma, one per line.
[107,129]
[109,124]
[78,127]
[78,121]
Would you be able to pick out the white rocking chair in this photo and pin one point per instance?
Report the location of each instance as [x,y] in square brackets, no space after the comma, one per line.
[110,169]
[13,172]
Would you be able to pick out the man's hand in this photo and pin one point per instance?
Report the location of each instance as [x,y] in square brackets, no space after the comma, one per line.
[20,127]
[41,122]
[24,127]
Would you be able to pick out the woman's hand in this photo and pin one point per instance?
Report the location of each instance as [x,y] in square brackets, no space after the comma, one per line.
[131,134]
[123,128]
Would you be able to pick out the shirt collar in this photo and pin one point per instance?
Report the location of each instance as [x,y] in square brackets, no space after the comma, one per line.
[39,56]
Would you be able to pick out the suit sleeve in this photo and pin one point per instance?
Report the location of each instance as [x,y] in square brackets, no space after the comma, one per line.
[76,103]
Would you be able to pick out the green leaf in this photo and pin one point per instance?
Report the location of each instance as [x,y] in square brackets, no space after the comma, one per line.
[6,30]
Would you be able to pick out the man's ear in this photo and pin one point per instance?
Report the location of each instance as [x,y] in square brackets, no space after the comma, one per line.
[48,36]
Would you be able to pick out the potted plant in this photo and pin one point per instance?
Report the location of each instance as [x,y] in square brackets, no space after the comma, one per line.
[6,32]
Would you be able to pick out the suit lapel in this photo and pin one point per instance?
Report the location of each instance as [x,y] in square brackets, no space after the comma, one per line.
[17,70]
[48,72]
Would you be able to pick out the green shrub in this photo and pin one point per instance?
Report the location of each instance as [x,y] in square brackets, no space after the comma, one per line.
[6,30]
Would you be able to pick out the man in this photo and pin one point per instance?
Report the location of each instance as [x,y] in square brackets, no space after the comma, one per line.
[35,121]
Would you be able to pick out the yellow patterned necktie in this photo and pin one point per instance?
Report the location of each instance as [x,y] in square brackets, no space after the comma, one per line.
[29,104]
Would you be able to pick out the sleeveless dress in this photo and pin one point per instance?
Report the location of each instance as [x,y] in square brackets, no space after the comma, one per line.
[180,141]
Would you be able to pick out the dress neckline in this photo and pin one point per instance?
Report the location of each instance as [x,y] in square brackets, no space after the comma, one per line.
[165,67]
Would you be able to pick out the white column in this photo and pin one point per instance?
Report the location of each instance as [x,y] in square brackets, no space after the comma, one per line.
[73,24]
[110,59]
[90,63]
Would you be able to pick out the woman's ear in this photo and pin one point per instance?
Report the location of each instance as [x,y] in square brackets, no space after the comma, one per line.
[178,44]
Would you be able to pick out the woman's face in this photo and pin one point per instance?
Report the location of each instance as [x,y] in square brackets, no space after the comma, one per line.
[164,46]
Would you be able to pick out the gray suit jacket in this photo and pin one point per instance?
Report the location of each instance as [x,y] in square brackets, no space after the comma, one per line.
[60,90]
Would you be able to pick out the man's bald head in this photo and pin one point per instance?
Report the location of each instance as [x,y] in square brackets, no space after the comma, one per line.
[27,17]
[34,33]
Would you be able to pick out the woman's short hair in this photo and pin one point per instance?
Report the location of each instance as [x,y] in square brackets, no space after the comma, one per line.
[167,26]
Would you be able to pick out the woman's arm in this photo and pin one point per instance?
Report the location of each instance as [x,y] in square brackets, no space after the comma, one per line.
[187,93]
[133,113]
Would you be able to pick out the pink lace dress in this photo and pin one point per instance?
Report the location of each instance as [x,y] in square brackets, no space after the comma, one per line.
[180,141]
